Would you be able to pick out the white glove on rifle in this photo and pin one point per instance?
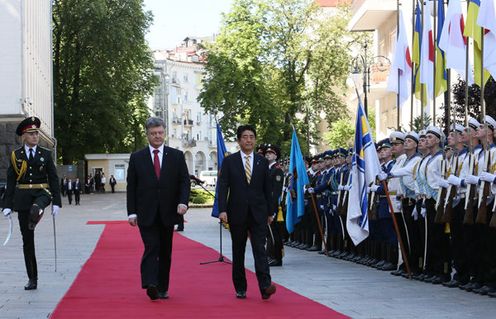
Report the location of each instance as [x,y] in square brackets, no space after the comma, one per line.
[374,188]
[471,179]
[346,187]
[382,176]
[455,180]
[487,177]
[55,210]
[443,183]
[7,212]
[415,213]
[423,211]
[340,187]
[311,190]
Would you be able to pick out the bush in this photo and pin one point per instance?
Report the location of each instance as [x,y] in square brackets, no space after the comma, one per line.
[199,196]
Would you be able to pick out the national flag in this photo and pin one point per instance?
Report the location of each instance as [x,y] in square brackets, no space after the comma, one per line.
[298,178]
[473,30]
[441,83]
[364,169]
[453,42]
[221,153]
[427,52]
[487,20]
[419,89]
[400,77]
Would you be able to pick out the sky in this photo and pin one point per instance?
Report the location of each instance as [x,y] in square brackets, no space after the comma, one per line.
[174,20]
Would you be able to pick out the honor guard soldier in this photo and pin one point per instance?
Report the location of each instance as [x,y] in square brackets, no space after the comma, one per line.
[274,245]
[32,184]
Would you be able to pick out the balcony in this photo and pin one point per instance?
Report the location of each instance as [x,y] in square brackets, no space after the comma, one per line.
[187,122]
[176,120]
[189,143]
[370,14]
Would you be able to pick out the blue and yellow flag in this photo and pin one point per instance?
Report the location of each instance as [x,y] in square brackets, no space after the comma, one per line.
[298,178]
[441,83]
[420,90]
[473,30]
[365,167]
[221,153]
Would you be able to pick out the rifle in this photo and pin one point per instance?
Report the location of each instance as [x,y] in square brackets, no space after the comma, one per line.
[441,196]
[468,219]
[346,195]
[372,211]
[338,203]
[448,204]
[482,204]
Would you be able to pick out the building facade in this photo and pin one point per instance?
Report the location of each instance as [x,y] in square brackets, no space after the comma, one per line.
[189,127]
[26,72]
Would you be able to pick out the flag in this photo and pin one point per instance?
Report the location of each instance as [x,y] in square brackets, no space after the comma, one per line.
[298,178]
[453,42]
[427,52]
[419,89]
[400,77]
[441,83]
[365,167]
[221,153]
[473,30]
[487,20]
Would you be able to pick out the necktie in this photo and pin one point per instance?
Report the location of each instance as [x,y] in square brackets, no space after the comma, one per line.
[31,154]
[156,163]
[247,168]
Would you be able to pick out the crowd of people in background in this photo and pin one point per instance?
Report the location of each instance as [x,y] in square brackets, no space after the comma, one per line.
[72,187]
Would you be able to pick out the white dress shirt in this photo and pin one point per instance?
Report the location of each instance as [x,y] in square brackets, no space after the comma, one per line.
[250,157]
[160,153]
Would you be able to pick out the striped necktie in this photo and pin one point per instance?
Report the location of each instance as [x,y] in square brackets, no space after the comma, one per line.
[248,168]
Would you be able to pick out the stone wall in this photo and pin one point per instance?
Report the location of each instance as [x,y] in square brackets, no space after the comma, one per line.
[8,142]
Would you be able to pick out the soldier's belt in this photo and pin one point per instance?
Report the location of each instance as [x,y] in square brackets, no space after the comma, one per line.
[32,186]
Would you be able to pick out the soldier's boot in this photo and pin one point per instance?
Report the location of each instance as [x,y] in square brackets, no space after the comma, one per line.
[35,215]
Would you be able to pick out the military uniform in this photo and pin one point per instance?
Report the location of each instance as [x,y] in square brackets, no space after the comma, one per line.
[32,184]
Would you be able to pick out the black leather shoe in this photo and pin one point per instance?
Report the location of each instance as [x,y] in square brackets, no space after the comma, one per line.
[397,272]
[313,248]
[31,285]
[471,286]
[484,290]
[267,292]
[163,295]
[440,279]
[180,229]
[152,292]
[275,263]
[453,283]
[241,294]
[387,267]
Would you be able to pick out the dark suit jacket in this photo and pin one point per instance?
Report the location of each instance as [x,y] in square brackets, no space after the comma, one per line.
[236,196]
[147,195]
[277,179]
[40,170]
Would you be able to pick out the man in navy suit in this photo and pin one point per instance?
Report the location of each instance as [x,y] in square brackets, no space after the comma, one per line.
[245,191]
[158,189]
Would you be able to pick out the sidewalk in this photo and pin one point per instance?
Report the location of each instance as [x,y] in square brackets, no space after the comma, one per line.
[354,290]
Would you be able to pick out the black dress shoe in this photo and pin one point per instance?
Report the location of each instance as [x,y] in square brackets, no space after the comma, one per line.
[180,229]
[152,292]
[440,279]
[241,294]
[31,285]
[275,263]
[267,292]
[453,283]
[397,272]
[163,295]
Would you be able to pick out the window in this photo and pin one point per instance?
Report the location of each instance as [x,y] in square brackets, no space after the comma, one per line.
[120,172]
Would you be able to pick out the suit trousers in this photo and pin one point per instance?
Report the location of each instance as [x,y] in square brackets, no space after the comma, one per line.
[156,260]
[258,235]
[28,245]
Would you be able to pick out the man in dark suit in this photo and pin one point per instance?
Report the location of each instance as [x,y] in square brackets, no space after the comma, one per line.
[245,203]
[32,184]
[158,189]
[76,187]
[69,188]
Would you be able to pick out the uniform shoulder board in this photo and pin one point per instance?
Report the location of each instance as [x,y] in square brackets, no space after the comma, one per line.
[44,149]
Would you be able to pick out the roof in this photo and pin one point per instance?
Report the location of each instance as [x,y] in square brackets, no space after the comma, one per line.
[331,3]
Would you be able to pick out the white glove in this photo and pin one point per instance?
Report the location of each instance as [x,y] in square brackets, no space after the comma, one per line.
[55,210]
[311,190]
[7,212]
[415,213]
[443,183]
[346,187]
[382,176]
[374,188]
[487,177]
[423,211]
[455,180]
[471,179]
[340,187]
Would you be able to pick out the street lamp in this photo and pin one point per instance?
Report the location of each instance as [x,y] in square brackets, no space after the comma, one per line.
[360,65]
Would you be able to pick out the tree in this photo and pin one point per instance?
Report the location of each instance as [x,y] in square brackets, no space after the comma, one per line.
[272,60]
[102,76]
[340,135]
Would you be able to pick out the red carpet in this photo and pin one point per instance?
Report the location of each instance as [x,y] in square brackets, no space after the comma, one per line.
[108,286]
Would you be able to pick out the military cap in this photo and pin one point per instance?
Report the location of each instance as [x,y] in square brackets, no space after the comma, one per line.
[422,133]
[328,154]
[473,123]
[455,127]
[342,152]
[397,137]
[413,136]
[491,123]
[274,149]
[436,131]
[261,148]
[385,143]
[30,124]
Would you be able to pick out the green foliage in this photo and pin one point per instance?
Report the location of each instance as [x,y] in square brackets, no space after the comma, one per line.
[103,73]
[341,134]
[420,123]
[199,196]
[274,59]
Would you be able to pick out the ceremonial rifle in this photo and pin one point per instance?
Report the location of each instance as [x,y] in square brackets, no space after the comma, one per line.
[468,219]
[441,194]
[448,204]
[482,204]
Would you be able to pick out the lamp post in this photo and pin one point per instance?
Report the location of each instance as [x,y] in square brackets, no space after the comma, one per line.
[360,65]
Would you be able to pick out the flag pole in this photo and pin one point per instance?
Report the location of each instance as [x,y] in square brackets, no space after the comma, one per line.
[321,231]
[413,69]
[398,71]
[434,39]
[397,230]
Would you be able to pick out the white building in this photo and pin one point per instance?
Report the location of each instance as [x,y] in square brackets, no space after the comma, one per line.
[189,128]
[26,71]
